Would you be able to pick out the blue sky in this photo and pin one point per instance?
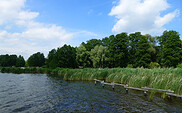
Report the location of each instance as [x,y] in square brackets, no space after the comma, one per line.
[76,14]
[29,26]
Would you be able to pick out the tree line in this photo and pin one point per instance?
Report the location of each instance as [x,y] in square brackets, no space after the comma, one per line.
[121,50]
[11,60]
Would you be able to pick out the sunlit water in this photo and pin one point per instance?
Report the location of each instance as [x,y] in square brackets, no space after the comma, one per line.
[41,93]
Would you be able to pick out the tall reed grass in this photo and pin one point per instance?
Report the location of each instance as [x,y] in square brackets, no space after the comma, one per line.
[164,78]
[159,78]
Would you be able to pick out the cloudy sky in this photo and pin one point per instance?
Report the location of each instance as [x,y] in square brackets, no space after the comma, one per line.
[30,26]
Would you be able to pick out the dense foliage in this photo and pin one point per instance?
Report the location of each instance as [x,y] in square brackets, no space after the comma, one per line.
[20,62]
[36,60]
[11,60]
[121,50]
[83,57]
[99,56]
[62,57]
[118,47]
[170,49]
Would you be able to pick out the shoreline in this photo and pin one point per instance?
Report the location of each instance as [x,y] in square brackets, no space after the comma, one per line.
[159,78]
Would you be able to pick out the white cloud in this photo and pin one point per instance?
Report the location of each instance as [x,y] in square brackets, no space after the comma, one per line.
[16,43]
[48,32]
[35,37]
[10,9]
[141,15]
[26,15]
[86,33]
[160,21]
[83,36]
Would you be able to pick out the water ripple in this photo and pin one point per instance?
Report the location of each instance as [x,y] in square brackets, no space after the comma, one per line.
[42,93]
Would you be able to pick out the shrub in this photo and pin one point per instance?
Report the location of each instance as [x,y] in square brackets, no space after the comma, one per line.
[179,66]
[154,65]
[129,66]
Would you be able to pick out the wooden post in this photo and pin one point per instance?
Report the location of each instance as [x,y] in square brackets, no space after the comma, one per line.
[95,82]
[169,98]
[103,84]
[126,89]
[113,85]
[145,93]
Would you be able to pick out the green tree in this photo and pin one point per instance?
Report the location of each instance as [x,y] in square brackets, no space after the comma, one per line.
[99,56]
[66,57]
[12,60]
[107,43]
[4,60]
[118,48]
[8,60]
[91,44]
[83,57]
[20,62]
[142,54]
[36,59]
[52,59]
[153,50]
[51,54]
[170,49]
[133,46]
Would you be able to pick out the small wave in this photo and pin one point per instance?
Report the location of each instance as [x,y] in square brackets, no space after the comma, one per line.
[20,109]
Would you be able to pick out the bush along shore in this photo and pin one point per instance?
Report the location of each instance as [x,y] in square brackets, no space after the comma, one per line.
[159,78]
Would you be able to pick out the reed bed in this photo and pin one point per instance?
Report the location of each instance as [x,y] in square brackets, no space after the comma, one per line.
[164,78]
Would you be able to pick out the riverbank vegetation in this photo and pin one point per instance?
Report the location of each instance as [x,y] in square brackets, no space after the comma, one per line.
[159,78]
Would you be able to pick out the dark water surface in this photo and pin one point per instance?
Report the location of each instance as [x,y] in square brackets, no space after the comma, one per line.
[37,93]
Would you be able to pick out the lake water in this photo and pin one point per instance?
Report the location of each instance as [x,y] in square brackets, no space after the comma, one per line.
[35,93]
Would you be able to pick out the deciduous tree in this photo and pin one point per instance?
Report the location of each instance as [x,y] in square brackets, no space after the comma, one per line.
[99,56]
[170,49]
[20,62]
[83,57]
[36,59]
[119,50]
[142,54]
[66,57]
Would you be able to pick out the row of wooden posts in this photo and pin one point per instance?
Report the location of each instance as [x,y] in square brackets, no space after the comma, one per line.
[144,89]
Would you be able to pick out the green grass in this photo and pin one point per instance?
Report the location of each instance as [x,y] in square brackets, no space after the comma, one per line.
[164,78]
[159,78]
